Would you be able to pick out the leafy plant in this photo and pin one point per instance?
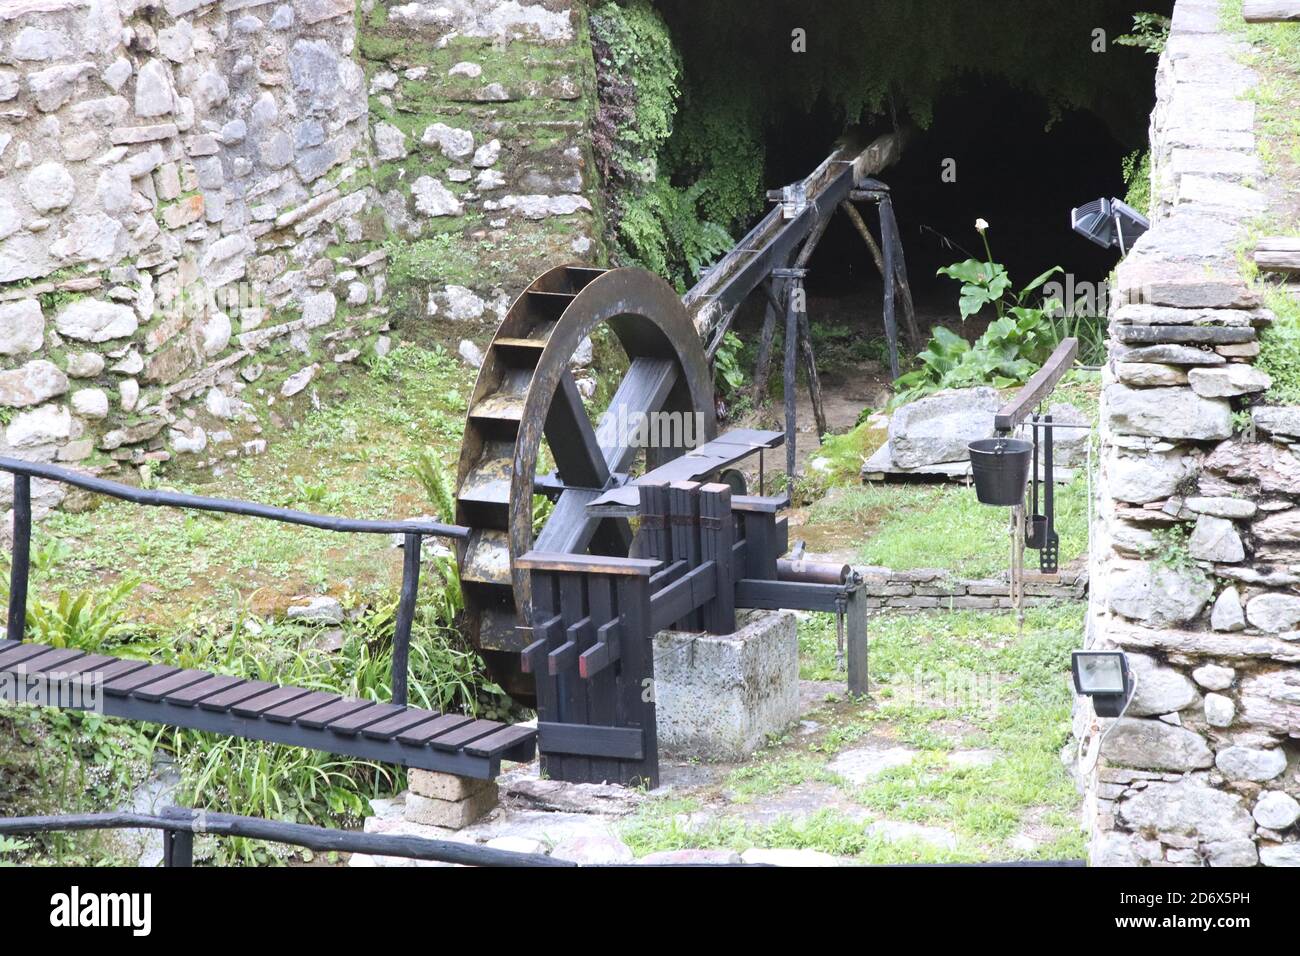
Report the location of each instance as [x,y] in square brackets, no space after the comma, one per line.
[1279,347]
[1171,549]
[89,620]
[1150,33]
[1136,169]
[1011,349]
[433,477]
[729,373]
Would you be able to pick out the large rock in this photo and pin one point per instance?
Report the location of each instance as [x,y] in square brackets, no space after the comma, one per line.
[1275,420]
[1167,413]
[1270,700]
[22,327]
[1273,612]
[1162,356]
[1187,809]
[33,383]
[1150,374]
[432,198]
[1282,527]
[43,425]
[1155,745]
[1280,854]
[1153,476]
[1250,763]
[1227,613]
[453,143]
[90,320]
[938,428]
[48,187]
[1276,810]
[1228,381]
[1273,467]
[1216,539]
[1160,690]
[1157,594]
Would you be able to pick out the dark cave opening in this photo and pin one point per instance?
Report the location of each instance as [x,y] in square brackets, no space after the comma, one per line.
[1007,92]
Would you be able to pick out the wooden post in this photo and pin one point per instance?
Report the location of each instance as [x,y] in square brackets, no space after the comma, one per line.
[636,688]
[717,535]
[684,513]
[903,289]
[405,616]
[767,337]
[794,293]
[856,640]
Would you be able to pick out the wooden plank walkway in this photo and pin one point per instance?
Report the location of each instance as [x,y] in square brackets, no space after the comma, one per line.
[256,710]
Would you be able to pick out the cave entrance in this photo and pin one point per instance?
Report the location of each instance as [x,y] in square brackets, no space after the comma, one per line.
[1018,120]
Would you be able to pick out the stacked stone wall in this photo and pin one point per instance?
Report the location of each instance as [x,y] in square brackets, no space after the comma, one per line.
[1194,570]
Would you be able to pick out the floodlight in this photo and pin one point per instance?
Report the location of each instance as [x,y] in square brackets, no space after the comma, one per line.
[1109,222]
[1104,676]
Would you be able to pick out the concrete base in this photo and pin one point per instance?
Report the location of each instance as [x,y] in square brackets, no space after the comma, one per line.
[445,800]
[720,697]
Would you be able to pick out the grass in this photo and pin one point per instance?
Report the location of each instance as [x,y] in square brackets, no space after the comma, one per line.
[908,526]
[941,682]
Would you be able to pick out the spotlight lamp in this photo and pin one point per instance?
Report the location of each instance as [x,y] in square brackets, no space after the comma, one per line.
[1105,677]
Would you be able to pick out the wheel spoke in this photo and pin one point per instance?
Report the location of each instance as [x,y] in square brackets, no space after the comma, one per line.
[643,391]
[573,442]
[570,529]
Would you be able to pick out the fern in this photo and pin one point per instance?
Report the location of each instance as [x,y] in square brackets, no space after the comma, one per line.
[432,475]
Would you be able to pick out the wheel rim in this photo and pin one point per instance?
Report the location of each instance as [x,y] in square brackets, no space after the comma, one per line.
[526,393]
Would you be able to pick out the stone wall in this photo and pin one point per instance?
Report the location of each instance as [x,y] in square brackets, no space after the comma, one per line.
[924,589]
[202,203]
[1194,565]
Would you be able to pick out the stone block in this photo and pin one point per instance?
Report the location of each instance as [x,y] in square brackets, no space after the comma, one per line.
[450,814]
[720,696]
[444,786]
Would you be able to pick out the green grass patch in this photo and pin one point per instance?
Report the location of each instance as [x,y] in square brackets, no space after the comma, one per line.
[943,526]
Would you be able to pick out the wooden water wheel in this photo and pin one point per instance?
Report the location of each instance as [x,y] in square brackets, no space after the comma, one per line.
[526,405]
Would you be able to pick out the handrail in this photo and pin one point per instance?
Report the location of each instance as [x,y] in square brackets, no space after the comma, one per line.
[180,825]
[413,534]
[1037,388]
[251,509]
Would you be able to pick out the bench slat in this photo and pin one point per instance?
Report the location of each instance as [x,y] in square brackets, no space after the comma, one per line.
[286,713]
[257,706]
[500,741]
[81,667]
[122,685]
[215,684]
[321,717]
[394,725]
[421,734]
[175,682]
[11,658]
[51,658]
[355,721]
[455,739]
[122,667]
[229,698]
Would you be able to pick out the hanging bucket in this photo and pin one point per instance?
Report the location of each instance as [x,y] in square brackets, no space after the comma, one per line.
[1000,467]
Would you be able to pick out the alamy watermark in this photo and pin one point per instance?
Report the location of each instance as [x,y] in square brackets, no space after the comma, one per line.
[60,689]
[656,429]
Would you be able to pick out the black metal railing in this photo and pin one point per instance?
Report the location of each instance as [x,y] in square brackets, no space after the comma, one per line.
[179,826]
[413,533]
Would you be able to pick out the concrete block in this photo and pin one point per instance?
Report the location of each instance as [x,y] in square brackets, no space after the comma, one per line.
[451,814]
[445,786]
[720,697]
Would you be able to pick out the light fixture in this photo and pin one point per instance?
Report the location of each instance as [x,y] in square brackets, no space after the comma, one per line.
[1109,222]
[1105,677]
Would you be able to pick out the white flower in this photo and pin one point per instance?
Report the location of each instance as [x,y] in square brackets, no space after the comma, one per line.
[981,225]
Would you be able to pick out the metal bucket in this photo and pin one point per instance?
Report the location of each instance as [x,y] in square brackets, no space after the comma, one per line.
[1000,467]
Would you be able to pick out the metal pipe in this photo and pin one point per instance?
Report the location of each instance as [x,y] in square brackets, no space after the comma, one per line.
[405,617]
[812,572]
[172,499]
[20,561]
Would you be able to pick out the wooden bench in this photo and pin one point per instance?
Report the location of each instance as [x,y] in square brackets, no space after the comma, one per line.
[252,709]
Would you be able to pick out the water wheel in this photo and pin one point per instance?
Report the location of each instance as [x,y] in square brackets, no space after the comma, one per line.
[526,407]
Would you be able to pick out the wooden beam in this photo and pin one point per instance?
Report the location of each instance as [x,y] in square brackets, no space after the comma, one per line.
[1271,11]
[1038,387]
[1278,253]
